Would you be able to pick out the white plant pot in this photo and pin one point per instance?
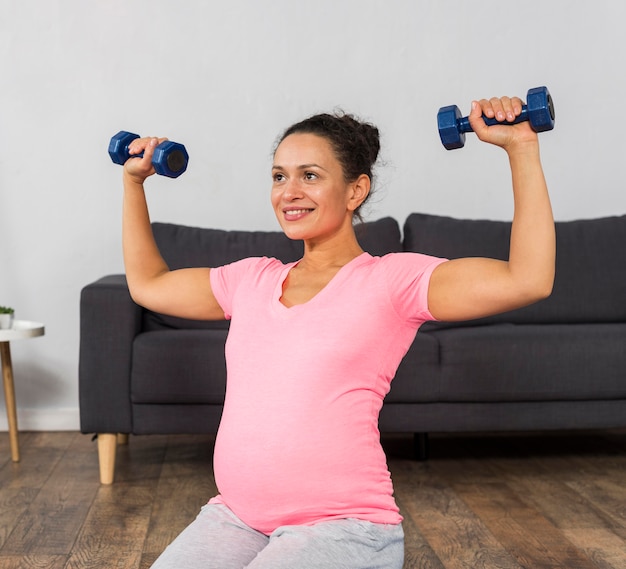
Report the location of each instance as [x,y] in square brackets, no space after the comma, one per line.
[6,321]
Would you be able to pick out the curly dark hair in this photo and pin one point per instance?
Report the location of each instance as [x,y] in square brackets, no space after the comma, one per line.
[356,144]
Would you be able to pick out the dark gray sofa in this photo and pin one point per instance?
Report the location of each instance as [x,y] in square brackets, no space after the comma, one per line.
[558,364]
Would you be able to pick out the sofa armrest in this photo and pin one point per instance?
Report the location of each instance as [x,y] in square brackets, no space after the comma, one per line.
[109,322]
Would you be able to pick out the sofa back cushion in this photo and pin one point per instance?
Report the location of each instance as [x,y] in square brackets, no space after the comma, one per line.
[590,283]
[183,246]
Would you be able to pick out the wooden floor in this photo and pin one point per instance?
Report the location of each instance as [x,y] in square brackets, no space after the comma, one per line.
[519,501]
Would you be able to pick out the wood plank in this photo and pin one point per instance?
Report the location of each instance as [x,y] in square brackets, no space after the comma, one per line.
[185,485]
[602,547]
[418,553]
[53,518]
[14,503]
[568,486]
[607,496]
[559,500]
[40,454]
[521,529]
[21,483]
[33,562]
[140,459]
[115,529]
[456,535]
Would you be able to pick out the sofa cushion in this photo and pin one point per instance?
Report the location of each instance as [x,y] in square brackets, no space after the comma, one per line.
[590,274]
[379,237]
[545,362]
[418,376]
[179,366]
[182,246]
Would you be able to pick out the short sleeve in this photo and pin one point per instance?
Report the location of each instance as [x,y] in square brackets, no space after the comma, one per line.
[408,277]
[226,279]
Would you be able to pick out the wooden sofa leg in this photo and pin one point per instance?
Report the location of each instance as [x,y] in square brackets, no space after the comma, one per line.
[420,444]
[107,445]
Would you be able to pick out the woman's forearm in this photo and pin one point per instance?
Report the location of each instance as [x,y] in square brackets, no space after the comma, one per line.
[142,258]
[533,242]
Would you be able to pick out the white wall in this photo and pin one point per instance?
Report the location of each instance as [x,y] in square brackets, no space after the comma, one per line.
[225,77]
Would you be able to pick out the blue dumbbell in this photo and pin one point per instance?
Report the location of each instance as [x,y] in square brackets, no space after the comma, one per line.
[538,110]
[170,158]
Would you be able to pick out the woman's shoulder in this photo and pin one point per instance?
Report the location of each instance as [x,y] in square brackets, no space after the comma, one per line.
[406,260]
[251,266]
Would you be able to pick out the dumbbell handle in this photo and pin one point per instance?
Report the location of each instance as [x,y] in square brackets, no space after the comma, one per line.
[465,126]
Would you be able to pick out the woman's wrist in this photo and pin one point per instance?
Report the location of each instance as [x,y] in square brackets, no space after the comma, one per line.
[523,150]
[131,181]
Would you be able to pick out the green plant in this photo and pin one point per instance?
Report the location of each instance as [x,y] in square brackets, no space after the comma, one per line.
[6,310]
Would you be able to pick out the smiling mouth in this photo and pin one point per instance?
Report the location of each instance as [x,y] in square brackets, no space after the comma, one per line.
[294,214]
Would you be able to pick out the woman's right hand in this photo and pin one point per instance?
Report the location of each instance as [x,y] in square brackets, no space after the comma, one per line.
[140,168]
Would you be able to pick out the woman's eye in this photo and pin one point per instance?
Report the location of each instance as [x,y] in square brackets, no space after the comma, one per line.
[310,175]
[278,177]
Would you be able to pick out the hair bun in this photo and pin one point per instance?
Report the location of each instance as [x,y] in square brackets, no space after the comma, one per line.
[371,137]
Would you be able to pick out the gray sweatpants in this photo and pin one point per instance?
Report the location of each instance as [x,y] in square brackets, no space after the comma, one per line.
[218,539]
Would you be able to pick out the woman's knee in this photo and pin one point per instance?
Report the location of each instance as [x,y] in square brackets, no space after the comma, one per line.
[345,544]
[215,539]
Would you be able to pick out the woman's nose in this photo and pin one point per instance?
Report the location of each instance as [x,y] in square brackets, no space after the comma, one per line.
[292,190]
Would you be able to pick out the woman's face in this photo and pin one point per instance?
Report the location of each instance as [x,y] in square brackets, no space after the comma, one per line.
[310,196]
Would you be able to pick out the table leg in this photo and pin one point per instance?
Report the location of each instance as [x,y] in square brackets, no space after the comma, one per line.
[9,399]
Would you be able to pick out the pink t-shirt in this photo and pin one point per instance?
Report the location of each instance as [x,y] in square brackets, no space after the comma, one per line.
[298,442]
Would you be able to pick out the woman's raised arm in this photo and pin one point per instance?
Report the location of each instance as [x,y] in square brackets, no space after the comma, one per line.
[185,293]
[463,289]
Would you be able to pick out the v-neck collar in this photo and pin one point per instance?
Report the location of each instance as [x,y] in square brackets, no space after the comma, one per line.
[334,281]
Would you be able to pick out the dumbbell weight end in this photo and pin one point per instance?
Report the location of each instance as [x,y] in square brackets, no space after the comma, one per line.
[170,159]
[118,146]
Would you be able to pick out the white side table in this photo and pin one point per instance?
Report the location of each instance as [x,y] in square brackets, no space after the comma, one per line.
[21,329]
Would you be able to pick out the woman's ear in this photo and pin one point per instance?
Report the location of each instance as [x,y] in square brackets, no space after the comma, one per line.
[360,189]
